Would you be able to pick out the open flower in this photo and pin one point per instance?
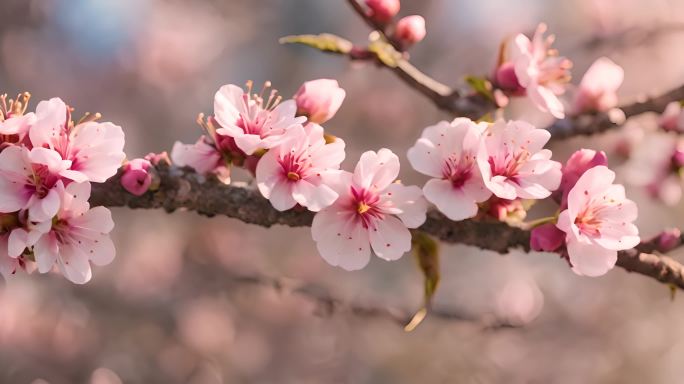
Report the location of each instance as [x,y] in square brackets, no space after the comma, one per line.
[94,150]
[597,222]
[448,153]
[28,180]
[598,89]
[203,157]
[296,170]
[78,235]
[253,122]
[540,70]
[513,163]
[371,212]
[14,130]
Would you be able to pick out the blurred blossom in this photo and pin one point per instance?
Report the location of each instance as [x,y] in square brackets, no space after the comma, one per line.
[598,89]
[105,376]
[656,164]
[206,325]
[151,264]
[319,99]
[172,47]
[672,118]
[383,10]
[519,302]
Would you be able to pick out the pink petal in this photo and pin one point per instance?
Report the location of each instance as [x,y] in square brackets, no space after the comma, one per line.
[589,259]
[390,238]
[376,170]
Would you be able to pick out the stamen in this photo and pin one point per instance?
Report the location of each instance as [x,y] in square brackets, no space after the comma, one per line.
[293,176]
[363,208]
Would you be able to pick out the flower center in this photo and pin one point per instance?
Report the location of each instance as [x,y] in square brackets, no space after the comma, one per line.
[458,170]
[293,176]
[588,222]
[366,206]
[510,165]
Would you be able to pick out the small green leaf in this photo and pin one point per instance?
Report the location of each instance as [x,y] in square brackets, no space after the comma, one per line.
[426,251]
[325,42]
[383,50]
[482,86]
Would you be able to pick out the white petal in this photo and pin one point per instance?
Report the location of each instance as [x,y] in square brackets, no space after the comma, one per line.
[340,242]
[452,202]
[313,197]
[590,259]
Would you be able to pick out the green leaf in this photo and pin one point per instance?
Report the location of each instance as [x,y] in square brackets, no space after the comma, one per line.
[325,42]
[482,86]
[426,252]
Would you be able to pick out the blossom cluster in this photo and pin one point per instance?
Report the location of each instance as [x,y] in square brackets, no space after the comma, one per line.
[475,169]
[47,162]
[530,67]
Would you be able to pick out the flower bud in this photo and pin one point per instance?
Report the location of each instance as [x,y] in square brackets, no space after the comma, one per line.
[410,29]
[546,238]
[319,99]
[672,118]
[383,11]
[506,79]
[510,211]
[669,239]
[136,177]
[580,161]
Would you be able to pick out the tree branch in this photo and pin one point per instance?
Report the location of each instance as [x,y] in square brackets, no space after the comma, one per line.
[475,106]
[185,189]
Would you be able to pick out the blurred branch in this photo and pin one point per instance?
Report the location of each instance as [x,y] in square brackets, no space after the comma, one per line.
[185,189]
[474,105]
[631,37]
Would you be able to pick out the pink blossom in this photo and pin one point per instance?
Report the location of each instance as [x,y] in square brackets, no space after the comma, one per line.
[448,153]
[253,122]
[656,165]
[672,118]
[92,150]
[79,235]
[319,99]
[371,212]
[295,171]
[598,89]
[136,178]
[541,71]
[410,29]
[383,11]
[597,222]
[203,157]
[514,164]
[578,163]
[14,130]
[28,180]
[546,238]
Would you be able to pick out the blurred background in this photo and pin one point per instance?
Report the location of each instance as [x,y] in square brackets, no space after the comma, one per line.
[170,309]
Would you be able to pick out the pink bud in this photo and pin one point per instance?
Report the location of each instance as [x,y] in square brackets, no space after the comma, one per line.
[678,155]
[669,239]
[672,118]
[546,238]
[507,210]
[383,11]
[136,178]
[319,99]
[410,29]
[580,161]
[506,79]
